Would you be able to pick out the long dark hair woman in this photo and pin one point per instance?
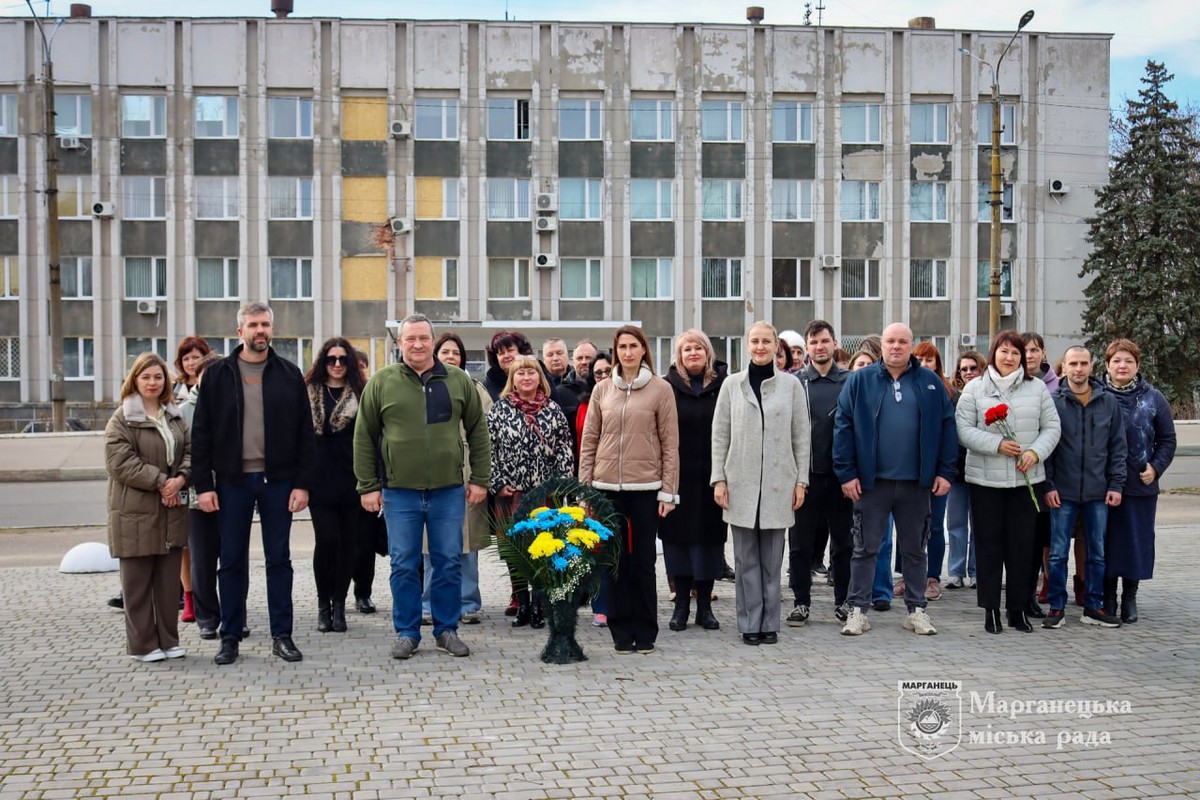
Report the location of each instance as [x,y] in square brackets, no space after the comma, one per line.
[189,363]
[960,566]
[334,385]
[931,358]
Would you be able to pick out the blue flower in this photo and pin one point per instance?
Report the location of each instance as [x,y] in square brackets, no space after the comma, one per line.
[595,527]
[572,551]
[559,563]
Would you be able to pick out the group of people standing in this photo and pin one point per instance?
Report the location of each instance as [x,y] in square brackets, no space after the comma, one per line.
[795,448]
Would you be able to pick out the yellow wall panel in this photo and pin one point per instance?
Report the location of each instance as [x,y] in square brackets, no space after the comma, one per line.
[364,118]
[364,200]
[427,282]
[364,278]
[429,198]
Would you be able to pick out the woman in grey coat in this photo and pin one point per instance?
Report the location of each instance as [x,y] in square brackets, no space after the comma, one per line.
[760,456]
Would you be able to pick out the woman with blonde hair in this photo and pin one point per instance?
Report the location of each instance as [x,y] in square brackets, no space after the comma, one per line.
[147,454]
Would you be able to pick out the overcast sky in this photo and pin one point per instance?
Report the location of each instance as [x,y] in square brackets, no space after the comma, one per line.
[1165,30]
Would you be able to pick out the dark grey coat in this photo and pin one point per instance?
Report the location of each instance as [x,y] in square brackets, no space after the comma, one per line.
[1090,458]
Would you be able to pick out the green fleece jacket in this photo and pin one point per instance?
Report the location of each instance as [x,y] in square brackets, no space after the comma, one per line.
[407,434]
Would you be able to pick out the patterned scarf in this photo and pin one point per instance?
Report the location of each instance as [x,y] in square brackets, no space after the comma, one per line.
[1127,388]
[530,409]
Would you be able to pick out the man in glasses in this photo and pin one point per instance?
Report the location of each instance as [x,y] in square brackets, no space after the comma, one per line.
[253,445]
[894,444]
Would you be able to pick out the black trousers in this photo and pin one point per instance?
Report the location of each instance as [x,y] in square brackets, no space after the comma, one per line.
[824,515]
[204,546]
[335,523]
[633,596]
[371,529]
[1004,521]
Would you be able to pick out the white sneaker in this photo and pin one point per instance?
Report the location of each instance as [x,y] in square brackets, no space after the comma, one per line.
[969,582]
[856,623]
[918,622]
[954,582]
[153,655]
[175,652]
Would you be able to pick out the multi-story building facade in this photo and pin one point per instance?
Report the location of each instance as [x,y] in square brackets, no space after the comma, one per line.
[559,178]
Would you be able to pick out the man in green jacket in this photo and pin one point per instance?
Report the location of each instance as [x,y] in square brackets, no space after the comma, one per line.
[408,427]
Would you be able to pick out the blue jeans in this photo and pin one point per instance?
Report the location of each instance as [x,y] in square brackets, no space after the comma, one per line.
[412,514]
[962,537]
[472,600]
[1062,522]
[937,534]
[237,500]
[881,587]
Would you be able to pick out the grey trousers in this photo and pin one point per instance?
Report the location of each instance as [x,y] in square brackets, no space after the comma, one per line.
[908,504]
[150,586]
[758,563]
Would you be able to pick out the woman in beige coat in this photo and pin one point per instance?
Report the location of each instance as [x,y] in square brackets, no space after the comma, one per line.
[147,450]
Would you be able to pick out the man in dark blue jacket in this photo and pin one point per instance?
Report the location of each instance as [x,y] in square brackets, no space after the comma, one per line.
[1084,476]
[894,443]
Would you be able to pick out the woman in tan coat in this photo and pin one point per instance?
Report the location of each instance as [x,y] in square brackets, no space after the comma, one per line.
[147,450]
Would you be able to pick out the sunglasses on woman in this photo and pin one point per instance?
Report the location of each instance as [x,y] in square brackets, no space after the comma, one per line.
[337,361]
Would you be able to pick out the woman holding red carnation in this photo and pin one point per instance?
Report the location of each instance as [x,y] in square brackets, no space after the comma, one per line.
[1009,425]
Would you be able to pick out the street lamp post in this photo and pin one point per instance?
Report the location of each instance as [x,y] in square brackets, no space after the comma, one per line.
[994,271]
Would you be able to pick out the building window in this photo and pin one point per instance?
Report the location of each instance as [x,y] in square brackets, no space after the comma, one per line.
[9,198]
[985,202]
[143,197]
[860,279]
[74,196]
[927,278]
[78,358]
[10,358]
[860,201]
[299,351]
[650,198]
[861,123]
[143,116]
[721,278]
[984,283]
[437,198]
[135,346]
[224,345]
[791,121]
[508,279]
[216,278]
[579,198]
[8,115]
[942,343]
[579,119]
[145,278]
[928,201]
[579,279]
[76,275]
[791,200]
[289,118]
[508,198]
[728,349]
[436,118]
[435,278]
[291,279]
[1008,123]
[291,198]
[720,199]
[651,120]
[930,123]
[216,117]
[791,278]
[73,114]
[721,121]
[217,197]
[651,278]
[10,277]
[508,119]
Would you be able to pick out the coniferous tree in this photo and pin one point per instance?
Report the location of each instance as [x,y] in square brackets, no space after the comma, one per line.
[1145,261]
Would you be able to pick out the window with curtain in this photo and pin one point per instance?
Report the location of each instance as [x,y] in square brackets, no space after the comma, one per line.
[791,121]
[721,121]
[927,278]
[436,118]
[76,276]
[650,278]
[791,200]
[508,279]
[291,198]
[721,278]
[860,201]
[720,199]
[984,286]
[8,115]
[74,196]
[930,123]
[143,197]
[579,119]
[216,278]
[143,116]
[1008,123]
[579,198]
[650,198]
[10,277]
[78,358]
[985,201]
[135,346]
[289,117]
[508,198]
[216,117]
[9,198]
[791,278]
[73,115]
[217,197]
[580,278]
[860,279]
[145,278]
[861,123]
[291,279]
[651,120]
[928,201]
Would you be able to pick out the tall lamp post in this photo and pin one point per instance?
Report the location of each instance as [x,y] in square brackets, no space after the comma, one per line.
[994,272]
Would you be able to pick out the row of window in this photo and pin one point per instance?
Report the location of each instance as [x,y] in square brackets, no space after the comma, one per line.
[508,119]
[218,197]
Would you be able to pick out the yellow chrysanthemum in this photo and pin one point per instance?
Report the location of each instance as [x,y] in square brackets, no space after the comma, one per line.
[545,545]
[575,512]
[537,511]
[583,537]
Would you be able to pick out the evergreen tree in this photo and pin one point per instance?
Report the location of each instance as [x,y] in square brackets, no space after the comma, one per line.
[1145,261]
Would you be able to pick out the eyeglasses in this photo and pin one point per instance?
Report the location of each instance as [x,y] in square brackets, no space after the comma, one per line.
[968,370]
[600,372]
[896,390]
[337,361]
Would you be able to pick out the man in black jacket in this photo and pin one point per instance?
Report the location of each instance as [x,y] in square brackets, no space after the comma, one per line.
[252,444]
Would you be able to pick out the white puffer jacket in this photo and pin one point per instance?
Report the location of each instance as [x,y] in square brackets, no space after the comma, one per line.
[1032,417]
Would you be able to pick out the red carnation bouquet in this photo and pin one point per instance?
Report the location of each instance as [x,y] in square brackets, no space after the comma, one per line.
[998,416]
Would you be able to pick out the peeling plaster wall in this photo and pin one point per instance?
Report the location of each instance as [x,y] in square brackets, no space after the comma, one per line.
[509,49]
[437,57]
[724,59]
[862,61]
[796,65]
[581,52]
[654,57]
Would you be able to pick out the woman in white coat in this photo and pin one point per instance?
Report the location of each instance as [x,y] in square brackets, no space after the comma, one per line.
[760,455]
[1000,471]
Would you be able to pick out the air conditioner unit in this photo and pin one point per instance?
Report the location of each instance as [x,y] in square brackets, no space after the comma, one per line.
[401,129]
[830,262]
[1057,186]
[147,306]
[400,225]
[69,143]
[546,202]
[966,340]
[545,261]
[546,224]
[1006,309]
[103,209]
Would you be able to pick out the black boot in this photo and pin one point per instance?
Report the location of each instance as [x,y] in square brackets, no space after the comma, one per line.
[704,615]
[1110,596]
[524,610]
[683,603]
[1018,621]
[338,617]
[537,613]
[1033,610]
[991,620]
[324,615]
[1129,601]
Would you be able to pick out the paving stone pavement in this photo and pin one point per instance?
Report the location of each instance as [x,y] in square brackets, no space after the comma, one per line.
[703,717]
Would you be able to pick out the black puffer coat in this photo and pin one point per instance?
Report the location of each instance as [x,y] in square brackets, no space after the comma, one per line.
[697,519]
